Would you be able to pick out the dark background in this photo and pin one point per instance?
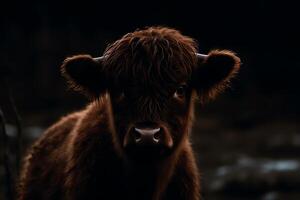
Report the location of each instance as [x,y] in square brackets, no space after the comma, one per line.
[247,141]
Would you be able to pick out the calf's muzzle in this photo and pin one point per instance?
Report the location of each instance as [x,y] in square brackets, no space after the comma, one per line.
[147,136]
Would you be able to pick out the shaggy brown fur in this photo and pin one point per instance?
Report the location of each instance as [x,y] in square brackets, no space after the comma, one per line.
[149,78]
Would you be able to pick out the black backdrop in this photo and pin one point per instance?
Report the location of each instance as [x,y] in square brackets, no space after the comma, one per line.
[37,36]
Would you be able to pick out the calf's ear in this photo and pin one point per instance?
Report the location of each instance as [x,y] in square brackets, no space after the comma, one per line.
[84,74]
[214,72]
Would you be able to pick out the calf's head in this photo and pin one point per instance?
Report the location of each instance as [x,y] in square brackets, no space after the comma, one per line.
[151,77]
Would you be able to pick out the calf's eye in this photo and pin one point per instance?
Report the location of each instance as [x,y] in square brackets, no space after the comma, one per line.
[180,92]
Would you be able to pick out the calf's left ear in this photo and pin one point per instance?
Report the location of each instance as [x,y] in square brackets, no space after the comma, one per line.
[214,72]
[85,74]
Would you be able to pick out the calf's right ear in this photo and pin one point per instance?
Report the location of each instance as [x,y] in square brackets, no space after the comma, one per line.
[84,74]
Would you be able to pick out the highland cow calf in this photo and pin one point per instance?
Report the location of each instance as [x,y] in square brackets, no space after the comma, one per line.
[132,140]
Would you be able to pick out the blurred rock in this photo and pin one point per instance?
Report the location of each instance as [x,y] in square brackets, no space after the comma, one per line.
[33,132]
[271,196]
[257,176]
[30,133]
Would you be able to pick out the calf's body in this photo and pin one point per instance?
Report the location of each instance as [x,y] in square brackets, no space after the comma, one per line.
[76,159]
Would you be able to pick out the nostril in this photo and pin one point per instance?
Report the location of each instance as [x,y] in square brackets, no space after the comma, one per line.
[137,136]
[157,136]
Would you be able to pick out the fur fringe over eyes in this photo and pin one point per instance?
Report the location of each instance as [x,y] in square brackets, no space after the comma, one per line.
[155,56]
